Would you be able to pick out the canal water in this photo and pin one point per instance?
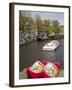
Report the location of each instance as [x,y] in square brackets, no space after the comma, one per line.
[31,52]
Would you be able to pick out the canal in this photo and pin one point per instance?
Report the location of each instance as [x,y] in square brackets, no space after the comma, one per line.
[31,52]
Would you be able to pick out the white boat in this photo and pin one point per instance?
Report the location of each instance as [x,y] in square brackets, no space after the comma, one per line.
[51,45]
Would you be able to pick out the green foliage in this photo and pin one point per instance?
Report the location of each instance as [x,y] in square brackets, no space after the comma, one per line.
[46,25]
[51,26]
[28,23]
[38,22]
[25,22]
[55,27]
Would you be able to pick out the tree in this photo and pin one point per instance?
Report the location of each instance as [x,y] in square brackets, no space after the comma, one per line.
[46,25]
[21,21]
[25,21]
[38,22]
[55,27]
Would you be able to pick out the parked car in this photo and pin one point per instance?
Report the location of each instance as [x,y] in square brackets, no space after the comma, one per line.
[51,45]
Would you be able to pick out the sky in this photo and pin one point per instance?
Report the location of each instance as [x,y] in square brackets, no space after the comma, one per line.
[50,15]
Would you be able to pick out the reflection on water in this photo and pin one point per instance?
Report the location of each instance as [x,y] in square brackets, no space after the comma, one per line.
[31,52]
[49,55]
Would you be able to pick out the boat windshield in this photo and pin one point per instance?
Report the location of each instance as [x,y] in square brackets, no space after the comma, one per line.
[52,43]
